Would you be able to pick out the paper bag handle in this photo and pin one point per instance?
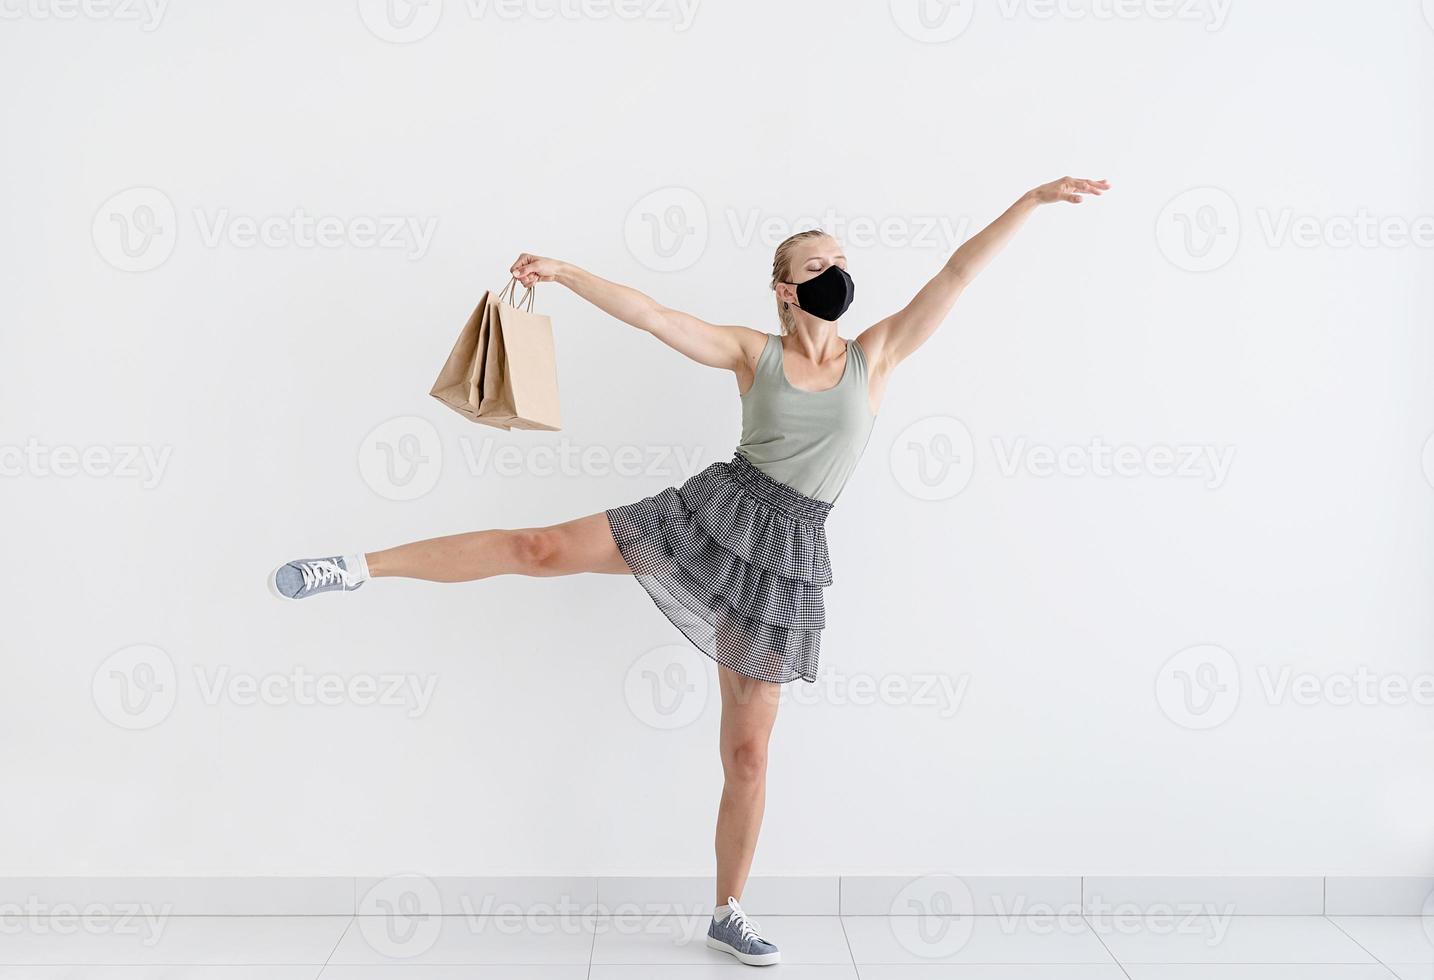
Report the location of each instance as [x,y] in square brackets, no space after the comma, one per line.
[509,295]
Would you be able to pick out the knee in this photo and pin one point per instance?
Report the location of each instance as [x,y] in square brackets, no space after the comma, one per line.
[535,550]
[746,763]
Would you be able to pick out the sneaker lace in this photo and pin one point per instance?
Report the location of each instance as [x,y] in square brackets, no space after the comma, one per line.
[746,928]
[322,572]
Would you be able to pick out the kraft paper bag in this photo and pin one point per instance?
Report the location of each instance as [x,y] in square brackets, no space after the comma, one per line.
[503,371]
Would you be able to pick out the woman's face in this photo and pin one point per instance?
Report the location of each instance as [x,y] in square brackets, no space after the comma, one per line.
[810,259]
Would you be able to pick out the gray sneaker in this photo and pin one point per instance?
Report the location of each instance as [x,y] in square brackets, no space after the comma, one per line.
[304,577]
[737,935]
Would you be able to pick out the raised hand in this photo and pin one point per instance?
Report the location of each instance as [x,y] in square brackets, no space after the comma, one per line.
[530,268]
[1069,189]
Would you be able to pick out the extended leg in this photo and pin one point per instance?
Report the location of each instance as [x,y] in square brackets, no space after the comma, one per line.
[583,545]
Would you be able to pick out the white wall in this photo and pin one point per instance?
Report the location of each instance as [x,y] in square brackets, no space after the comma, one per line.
[1054,603]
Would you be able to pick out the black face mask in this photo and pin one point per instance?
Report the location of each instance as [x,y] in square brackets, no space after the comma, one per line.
[828,295]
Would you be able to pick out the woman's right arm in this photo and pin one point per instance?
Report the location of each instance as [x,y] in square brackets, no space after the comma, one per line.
[706,343]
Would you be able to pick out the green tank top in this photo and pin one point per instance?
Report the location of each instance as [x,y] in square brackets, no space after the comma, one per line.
[809,440]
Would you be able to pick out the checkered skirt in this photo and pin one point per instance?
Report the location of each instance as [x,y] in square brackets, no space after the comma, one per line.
[737,561]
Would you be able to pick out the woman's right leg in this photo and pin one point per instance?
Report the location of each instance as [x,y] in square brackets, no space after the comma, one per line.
[583,545]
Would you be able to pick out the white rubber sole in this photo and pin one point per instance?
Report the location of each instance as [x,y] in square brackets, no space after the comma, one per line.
[766,959]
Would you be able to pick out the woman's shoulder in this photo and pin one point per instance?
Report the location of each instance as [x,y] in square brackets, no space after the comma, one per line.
[753,342]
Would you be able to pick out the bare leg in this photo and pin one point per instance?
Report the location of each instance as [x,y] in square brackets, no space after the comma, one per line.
[749,710]
[583,545]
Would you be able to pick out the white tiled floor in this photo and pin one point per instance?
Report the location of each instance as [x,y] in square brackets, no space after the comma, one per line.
[853,947]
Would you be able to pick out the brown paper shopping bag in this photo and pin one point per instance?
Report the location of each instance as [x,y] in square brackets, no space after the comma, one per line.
[503,369]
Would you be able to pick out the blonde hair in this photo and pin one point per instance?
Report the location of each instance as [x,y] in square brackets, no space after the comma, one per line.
[782,271]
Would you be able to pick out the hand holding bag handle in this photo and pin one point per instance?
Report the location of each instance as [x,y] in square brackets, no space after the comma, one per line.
[509,296]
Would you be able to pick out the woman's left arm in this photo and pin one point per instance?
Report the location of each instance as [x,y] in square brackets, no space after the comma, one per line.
[892,340]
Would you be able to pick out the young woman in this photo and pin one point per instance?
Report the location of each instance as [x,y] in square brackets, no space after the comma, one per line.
[736,557]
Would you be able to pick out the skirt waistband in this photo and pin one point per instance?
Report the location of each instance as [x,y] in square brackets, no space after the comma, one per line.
[787,499]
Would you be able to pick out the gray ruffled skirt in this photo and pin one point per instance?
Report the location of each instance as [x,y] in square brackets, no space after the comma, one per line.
[738,562]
